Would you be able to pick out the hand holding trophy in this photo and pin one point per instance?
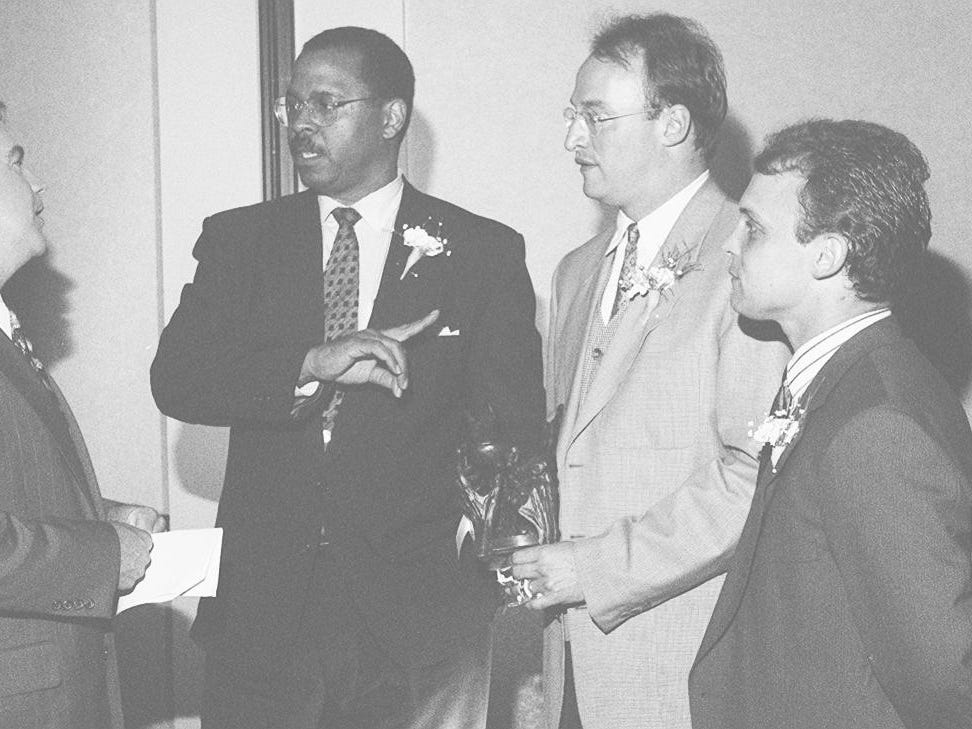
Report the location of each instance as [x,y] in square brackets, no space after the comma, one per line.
[509,497]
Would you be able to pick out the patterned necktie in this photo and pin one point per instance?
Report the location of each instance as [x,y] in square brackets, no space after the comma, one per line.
[18,337]
[628,267]
[340,296]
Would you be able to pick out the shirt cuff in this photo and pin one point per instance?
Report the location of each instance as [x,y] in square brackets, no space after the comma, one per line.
[307,390]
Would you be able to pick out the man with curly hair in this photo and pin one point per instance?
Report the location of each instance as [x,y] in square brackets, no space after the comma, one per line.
[849,599]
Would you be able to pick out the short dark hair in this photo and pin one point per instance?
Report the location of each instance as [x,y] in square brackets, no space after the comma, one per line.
[384,66]
[682,66]
[865,182]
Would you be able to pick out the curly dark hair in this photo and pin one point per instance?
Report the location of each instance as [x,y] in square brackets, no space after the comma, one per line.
[682,66]
[384,66]
[865,182]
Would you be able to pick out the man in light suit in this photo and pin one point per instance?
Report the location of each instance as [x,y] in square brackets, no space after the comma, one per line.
[61,560]
[659,381]
[342,602]
[849,599]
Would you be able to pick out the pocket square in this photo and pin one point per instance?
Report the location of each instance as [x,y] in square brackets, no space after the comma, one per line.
[447,332]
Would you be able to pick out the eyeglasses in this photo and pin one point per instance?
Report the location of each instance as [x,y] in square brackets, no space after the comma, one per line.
[319,113]
[594,121]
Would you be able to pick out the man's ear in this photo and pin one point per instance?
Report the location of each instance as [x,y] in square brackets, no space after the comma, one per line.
[829,255]
[395,112]
[676,123]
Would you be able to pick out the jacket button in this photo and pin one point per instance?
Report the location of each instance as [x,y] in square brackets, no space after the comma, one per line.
[597,353]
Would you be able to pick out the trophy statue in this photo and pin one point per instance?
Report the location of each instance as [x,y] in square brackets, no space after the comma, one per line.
[509,497]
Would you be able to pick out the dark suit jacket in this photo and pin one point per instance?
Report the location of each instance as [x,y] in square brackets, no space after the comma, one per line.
[383,492]
[58,564]
[849,601]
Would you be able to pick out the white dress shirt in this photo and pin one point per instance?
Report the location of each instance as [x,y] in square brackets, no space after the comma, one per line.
[810,358]
[6,326]
[653,229]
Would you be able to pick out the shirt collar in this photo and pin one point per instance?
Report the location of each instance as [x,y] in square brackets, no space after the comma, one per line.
[810,358]
[662,219]
[6,326]
[375,208]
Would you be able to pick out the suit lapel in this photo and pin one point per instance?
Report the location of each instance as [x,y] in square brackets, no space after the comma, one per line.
[738,576]
[583,306]
[644,313]
[15,366]
[819,391]
[422,285]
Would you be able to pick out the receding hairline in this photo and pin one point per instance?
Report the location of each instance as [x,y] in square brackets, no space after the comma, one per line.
[348,51]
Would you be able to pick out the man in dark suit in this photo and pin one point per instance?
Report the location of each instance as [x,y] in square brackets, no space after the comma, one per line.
[849,600]
[342,601]
[61,559]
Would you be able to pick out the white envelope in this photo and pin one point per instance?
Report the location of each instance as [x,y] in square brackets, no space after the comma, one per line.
[185,563]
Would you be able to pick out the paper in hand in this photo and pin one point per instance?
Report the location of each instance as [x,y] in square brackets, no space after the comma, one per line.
[185,563]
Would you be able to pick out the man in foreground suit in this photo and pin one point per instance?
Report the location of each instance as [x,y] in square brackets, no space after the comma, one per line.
[849,600]
[61,559]
[659,380]
[342,601]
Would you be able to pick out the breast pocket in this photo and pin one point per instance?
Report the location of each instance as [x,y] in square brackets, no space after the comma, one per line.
[435,363]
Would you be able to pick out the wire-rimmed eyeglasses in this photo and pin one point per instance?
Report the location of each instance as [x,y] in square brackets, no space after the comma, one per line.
[592,120]
[320,113]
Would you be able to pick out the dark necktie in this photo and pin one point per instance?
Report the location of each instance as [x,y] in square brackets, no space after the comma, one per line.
[18,337]
[628,267]
[784,397]
[340,295]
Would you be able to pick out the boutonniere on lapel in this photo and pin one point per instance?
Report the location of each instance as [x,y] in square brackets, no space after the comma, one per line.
[780,426]
[675,263]
[423,243]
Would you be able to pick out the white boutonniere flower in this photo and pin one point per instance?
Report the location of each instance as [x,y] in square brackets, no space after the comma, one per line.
[779,428]
[675,263]
[423,243]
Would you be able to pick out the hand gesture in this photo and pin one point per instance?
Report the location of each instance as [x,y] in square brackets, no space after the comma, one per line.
[369,355]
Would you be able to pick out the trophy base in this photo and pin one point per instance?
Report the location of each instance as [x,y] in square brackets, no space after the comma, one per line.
[500,548]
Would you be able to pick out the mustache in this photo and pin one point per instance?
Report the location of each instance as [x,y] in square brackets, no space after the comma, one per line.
[303,142]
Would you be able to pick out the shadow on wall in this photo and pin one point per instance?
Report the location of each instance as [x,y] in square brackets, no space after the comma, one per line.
[731,164]
[39,295]
[419,152]
[936,317]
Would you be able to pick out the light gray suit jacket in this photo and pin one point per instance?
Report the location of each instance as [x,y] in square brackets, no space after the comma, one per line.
[656,470]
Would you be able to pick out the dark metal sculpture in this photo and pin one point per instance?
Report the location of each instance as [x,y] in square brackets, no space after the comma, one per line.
[510,497]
